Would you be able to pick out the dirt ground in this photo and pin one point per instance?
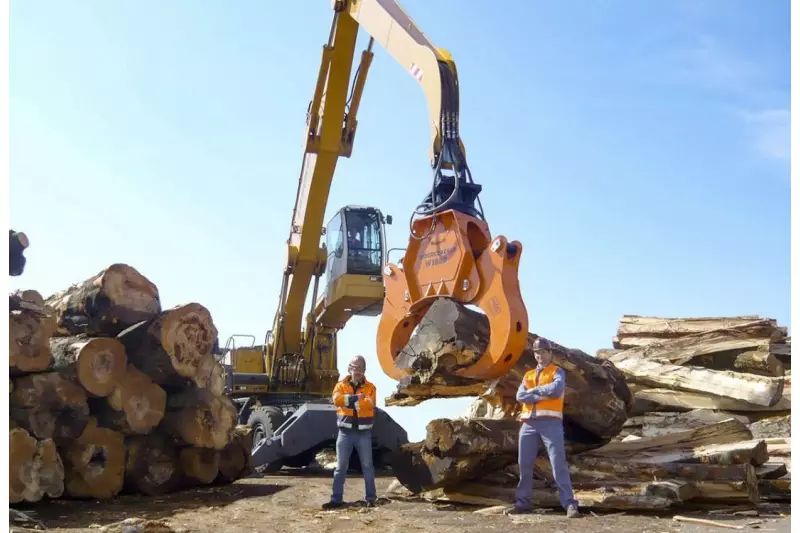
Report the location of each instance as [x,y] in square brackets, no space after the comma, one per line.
[289,502]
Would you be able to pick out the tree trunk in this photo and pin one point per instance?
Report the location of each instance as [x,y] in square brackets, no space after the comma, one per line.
[210,375]
[451,335]
[48,405]
[778,426]
[200,419]
[653,326]
[235,461]
[775,490]
[684,400]
[199,465]
[759,361]
[136,405]
[655,424]
[722,443]
[95,463]
[35,468]
[30,326]
[172,345]
[106,303]
[758,390]
[98,363]
[152,465]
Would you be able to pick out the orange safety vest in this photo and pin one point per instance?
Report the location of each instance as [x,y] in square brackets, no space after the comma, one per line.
[363,413]
[546,407]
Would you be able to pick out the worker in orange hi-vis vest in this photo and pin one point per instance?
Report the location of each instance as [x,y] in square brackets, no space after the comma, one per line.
[541,394]
[355,400]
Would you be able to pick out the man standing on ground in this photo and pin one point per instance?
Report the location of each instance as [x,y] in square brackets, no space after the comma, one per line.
[541,394]
[355,399]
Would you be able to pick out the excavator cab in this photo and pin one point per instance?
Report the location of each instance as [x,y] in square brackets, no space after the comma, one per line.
[355,239]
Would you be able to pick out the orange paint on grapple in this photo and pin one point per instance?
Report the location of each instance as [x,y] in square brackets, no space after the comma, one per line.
[457,259]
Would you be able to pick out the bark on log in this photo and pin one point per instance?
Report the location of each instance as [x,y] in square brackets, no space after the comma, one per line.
[95,463]
[107,303]
[779,426]
[758,390]
[152,465]
[97,363]
[759,361]
[235,461]
[654,326]
[136,405]
[201,419]
[655,424]
[450,335]
[30,326]
[35,468]
[199,465]
[48,405]
[172,345]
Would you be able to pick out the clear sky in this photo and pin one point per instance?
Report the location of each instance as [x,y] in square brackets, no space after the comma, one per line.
[638,149]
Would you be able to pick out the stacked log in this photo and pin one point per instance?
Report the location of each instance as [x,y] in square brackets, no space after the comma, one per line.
[111,394]
[710,430]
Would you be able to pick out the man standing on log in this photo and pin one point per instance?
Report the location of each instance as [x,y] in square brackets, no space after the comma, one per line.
[355,399]
[541,394]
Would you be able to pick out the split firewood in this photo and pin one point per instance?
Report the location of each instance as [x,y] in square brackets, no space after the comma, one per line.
[199,418]
[173,345]
[199,465]
[107,303]
[235,461]
[451,335]
[95,463]
[136,405]
[49,405]
[758,390]
[30,327]
[35,468]
[152,465]
[97,363]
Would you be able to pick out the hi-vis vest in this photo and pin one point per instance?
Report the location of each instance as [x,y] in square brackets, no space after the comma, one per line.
[550,407]
[362,414]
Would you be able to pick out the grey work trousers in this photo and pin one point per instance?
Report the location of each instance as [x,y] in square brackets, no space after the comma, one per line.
[551,432]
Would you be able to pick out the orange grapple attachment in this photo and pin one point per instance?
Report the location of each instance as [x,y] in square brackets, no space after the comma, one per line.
[456,258]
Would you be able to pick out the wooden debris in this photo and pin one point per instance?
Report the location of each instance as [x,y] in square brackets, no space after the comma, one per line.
[704,522]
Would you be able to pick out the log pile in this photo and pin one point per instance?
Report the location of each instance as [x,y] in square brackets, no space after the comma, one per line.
[705,423]
[112,394]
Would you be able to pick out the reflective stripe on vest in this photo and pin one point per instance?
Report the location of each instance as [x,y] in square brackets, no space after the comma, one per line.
[363,413]
[546,407]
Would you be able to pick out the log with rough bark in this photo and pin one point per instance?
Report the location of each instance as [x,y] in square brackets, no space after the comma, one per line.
[199,465]
[679,400]
[151,466]
[98,363]
[758,361]
[728,442]
[107,303]
[30,326]
[49,405]
[654,326]
[35,468]
[778,426]
[136,405]
[235,461]
[201,419]
[94,464]
[662,423]
[450,334]
[759,390]
[173,345]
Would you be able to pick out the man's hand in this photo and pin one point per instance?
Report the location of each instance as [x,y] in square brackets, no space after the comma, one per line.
[360,396]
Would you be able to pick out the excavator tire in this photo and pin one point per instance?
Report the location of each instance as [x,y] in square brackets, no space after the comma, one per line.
[265,420]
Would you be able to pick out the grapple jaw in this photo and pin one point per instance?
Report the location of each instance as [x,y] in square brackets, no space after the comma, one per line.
[455,257]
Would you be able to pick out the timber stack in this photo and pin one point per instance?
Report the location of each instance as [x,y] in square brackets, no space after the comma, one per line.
[717,396]
[112,394]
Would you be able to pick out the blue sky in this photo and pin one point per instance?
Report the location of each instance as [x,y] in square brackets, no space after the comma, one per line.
[639,150]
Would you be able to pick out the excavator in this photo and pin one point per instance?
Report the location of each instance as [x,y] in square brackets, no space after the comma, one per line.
[282,388]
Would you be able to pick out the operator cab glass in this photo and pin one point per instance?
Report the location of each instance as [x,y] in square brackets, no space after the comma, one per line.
[354,237]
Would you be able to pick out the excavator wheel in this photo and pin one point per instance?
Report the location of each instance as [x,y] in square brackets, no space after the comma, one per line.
[265,420]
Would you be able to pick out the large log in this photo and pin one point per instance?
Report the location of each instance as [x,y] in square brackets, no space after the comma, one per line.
[173,345]
[235,461]
[677,400]
[107,303]
[35,468]
[97,363]
[758,361]
[199,465]
[152,466]
[201,419]
[772,427]
[654,326]
[662,423]
[758,390]
[95,463]
[450,335]
[30,326]
[49,405]
[136,405]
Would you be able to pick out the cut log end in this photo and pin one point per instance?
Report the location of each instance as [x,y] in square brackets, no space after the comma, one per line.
[35,469]
[95,463]
[49,405]
[235,461]
[188,335]
[28,340]
[200,418]
[152,465]
[199,465]
[99,363]
[130,292]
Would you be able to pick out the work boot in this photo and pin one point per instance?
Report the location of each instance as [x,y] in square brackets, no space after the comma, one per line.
[518,510]
[572,511]
[332,505]
[370,503]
